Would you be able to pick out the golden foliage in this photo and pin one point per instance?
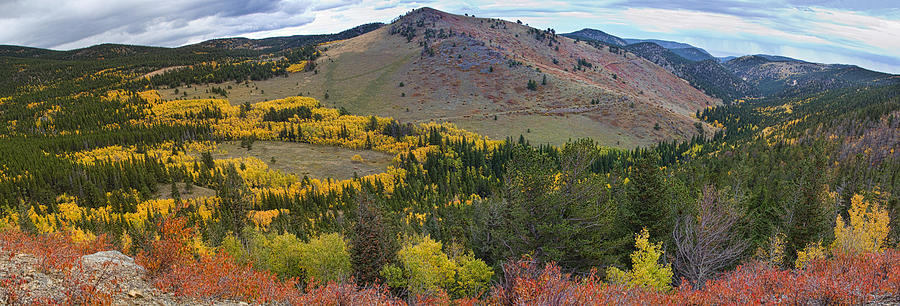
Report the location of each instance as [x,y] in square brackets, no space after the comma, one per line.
[813,251]
[298,67]
[773,252]
[867,230]
[646,270]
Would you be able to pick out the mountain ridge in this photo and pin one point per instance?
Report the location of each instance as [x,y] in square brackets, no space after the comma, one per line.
[430,52]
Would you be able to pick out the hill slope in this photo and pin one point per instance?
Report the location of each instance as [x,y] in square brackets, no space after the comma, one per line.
[707,75]
[597,35]
[272,44]
[781,76]
[682,49]
[431,65]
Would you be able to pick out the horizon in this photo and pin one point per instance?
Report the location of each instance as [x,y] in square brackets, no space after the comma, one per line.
[830,32]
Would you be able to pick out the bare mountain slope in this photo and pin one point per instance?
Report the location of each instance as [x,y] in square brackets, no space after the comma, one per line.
[431,65]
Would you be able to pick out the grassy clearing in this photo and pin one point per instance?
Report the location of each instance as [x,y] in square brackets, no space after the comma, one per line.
[164,191]
[541,129]
[314,161]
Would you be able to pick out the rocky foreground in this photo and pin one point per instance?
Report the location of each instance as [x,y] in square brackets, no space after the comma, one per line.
[106,277]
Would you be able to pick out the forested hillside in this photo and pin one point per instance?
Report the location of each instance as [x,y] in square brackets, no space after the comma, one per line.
[707,75]
[792,198]
[786,77]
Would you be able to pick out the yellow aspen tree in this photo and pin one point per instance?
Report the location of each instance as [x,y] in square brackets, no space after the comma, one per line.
[867,230]
[646,271]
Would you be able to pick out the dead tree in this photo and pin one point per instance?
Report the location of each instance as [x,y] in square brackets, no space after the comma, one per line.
[707,242]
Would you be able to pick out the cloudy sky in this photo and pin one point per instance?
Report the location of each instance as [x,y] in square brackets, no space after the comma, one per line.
[860,32]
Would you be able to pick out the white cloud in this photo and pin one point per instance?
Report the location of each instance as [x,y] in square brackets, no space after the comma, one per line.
[855,32]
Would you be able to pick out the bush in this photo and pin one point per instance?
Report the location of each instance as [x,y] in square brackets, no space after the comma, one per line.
[845,279]
[357,159]
[473,277]
[323,259]
[326,258]
[424,269]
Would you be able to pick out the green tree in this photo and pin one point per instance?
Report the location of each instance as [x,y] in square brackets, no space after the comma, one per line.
[809,212]
[173,190]
[648,202]
[556,213]
[371,242]
[236,199]
[326,258]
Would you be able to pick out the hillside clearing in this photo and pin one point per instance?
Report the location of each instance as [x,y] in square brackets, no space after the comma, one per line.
[315,161]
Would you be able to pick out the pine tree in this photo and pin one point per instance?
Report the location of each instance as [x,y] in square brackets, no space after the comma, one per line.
[370,240]
[236,199]
[648,198]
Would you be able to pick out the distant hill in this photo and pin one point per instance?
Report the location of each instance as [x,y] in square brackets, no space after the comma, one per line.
[286,42]
[25,52]
[241,45]
[597,35]
[668,44]
[726,58]
[707,75]
[101,51]
[694,54]
[773,58]
[779,58]
[681,49]
[783,76]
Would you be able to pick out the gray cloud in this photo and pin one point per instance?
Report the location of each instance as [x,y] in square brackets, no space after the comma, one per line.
[327,5]
[49,24]
[847,31]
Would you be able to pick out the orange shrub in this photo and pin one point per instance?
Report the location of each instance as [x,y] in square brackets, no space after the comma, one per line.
[53,251]
[845,279]
[171,250]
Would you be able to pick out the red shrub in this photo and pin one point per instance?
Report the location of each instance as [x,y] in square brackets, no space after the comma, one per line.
[869,278]
[172,248]
[53,251]
[345,294]
[845,279]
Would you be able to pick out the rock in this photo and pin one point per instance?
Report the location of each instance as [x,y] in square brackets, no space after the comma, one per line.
[105,259]
[113,271]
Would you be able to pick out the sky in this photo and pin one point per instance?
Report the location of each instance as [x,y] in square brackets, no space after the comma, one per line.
[860,32]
